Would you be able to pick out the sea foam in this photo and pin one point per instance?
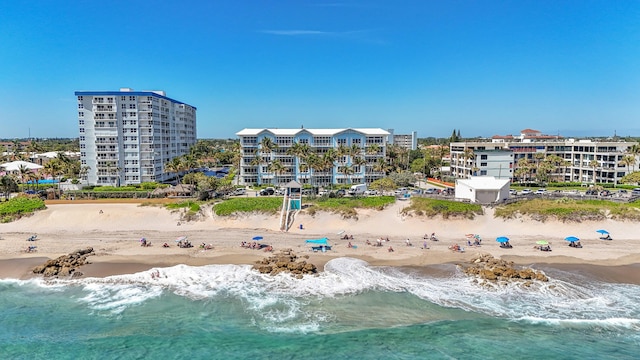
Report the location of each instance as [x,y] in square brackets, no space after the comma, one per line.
[283,303]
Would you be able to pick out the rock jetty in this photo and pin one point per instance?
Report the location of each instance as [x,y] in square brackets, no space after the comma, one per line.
[65,265]
[285,261]
[485,266]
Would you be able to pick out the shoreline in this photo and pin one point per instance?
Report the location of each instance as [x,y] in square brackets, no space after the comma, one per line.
[114,231]
[20,268]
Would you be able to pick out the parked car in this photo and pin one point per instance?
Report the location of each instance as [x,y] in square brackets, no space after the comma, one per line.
[591,192]
[267,191]
[341,192]
[525,191]
[541,191]
[513,192]
[635,192]
[431,191]
[605,193]
[371,192]
[239,191]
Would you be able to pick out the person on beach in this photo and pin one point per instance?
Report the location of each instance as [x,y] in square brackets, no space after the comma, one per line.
[408,242]
[349,245]
[390,249]
[425,245]
[165,245]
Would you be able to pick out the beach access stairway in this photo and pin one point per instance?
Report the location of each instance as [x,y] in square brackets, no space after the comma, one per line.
[291,205]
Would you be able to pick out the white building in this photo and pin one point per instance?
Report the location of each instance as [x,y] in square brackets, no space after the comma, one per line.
[126,136]
[335,156]
[407,141]
[580,156]
[482,189]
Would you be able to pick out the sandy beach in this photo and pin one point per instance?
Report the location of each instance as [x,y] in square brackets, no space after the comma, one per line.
[114,231]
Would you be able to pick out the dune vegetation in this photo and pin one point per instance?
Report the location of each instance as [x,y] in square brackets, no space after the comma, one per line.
[19,206]
[445,208]
[570,210]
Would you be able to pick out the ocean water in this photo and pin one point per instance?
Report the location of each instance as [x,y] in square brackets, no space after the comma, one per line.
[351,311]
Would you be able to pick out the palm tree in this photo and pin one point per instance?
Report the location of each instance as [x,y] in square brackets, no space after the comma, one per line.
[381,166]
[174,166]
[278,169]
[300,152]
[8,184]
[628,160]
[594,164]
[267,145]
[359,161]
[54,169]
[346,170]
[373,149]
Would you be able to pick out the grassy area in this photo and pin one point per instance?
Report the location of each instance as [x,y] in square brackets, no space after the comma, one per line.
[570,210]
[248,204]
[191,205]
[19,206]
[347,206]
[446,208]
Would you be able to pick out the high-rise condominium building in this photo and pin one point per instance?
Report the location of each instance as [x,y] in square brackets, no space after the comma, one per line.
[312,156]
[126,136]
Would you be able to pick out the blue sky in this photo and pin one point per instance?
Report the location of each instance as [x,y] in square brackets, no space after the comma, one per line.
[484,67]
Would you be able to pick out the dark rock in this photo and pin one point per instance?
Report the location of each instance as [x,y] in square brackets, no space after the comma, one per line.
[285,261]
[66,265]
[487,267]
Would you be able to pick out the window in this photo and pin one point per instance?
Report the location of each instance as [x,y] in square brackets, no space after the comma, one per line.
[80,106]
[80,113]
[81,130]
[132,98]
[81,122]
[79,98]
[483,172]
[483,164]
[82,138]
[342,141]
[304,141]
[484,157]
[132,106]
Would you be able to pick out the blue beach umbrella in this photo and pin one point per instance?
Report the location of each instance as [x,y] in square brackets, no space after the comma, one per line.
[603,232]
[257,238]
[572,239]
[502,239]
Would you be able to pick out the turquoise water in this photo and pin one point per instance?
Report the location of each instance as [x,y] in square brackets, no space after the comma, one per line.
[351,311]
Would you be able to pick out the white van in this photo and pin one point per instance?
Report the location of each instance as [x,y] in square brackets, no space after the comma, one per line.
[357,189]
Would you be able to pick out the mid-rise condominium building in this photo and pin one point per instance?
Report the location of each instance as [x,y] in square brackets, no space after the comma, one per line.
[407,141]
[126,136]
[312,156]
[583,160]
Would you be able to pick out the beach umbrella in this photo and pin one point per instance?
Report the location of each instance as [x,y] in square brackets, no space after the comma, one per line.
[257,238]
[502,239]
[603,232]
[183,238]
[572,239]
[542,242]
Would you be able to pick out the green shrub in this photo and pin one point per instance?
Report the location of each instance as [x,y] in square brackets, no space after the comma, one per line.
[19,206]
[445,208]
[239,205]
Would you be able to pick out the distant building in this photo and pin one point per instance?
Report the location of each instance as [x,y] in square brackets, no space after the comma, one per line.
[354,167]
[407,141]
[126,136]
[533,146]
